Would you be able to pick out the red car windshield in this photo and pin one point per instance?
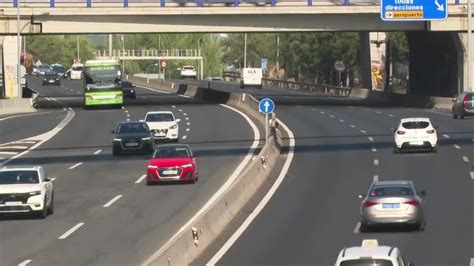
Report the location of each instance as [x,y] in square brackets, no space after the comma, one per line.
[172,152]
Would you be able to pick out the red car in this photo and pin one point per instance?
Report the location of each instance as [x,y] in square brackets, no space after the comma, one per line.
[173,162]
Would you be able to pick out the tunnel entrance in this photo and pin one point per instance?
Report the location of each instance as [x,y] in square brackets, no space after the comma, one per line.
[434,63]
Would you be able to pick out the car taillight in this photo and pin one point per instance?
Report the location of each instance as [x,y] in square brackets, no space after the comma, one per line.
[368,203]
[431,131]
[413,202]
[400,132]
[465,101]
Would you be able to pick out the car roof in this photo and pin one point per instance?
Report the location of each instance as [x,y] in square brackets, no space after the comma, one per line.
[369,248]
[132,122]
[415,119]
[392,183]
[17,168]
[159,112]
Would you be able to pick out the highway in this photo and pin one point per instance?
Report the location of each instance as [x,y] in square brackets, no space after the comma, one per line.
[104,212]
[339,152]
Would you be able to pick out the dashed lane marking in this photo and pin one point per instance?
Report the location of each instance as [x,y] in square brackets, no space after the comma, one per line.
[110,202]
[371,139]
[376,178]
[391,115]
[53,178]
[180,110]
[188,124]
[128,119]
[464,158]
[378,112]
[353,126]
[76,165]
[97,152]
[374,149]
[331,116]
[187,129]
[24,263]
[187,118]
[457,146]
[70,231]
[140,179]
[321,112]
[472,175]
[185,114]
[357,228]
[446,136]
[363,131]
[342,121]
[376,162]
[173,106]
[184,137]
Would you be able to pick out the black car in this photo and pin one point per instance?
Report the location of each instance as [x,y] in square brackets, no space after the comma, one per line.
[51,78]
[59,69]
[463,105]
[132,136]
[128,90]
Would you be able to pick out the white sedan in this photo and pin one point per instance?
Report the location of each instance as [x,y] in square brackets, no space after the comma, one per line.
[415,133]
[26,190]
[163,125]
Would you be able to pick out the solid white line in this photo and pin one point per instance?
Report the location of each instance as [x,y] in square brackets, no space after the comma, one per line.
[97,152]
[353,126]
[357,228]
[184,137]
[374,149]
[108,204]
[376,162]
[363,131]
[464,158]
[342,121]
[472,175]
[223,189]
[371,139]
[457,146]
[8,152]
[446,136]
[15,147]
[140,179]
[376,178]
[24,263]
[70,231]
[262,203]
[74,166]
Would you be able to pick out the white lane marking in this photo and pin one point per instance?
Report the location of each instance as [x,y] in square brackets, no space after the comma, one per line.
[374,149]
[180,110]
[187,118]
[45,136]
[464,158]
[128,115]
[471,263]
[25,142]
[299,106]
[108,204]
[342,121]
[70,231]
[376,162]
[363,131]
[357,228]
[472,175]
[184,137]
[8,152]
[331,116]
[353,126]
[37,113]
[97,152]
[457,146]
[64,109]
[126,111]
[371,139]
[140,179]
[378,112]
[185,114]
[223,189]
[15,147]
[188,124]
[128,119]
[391,115]
[314,109]
[74,166]
[321,112]
[187,129]
[173,106]
[155,90]
[24,263]
[376,178]
[446,136]
[262,203]
[48,99]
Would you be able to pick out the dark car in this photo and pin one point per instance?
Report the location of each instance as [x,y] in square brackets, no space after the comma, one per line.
[59,69]
[132,136]
[42,69]
[51,78]
[128,90]
[463,105]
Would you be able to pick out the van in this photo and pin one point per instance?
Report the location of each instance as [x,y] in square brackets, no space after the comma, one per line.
[251,77]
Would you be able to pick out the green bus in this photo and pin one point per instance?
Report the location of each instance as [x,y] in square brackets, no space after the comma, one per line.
[102,83]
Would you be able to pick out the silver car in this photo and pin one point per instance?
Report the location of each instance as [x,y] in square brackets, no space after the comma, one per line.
[392,202]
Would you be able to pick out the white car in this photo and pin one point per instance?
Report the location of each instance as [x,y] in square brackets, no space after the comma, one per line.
[163,125]
[370,253]
[76,71]
[415,133]
[188,72]
[26,190]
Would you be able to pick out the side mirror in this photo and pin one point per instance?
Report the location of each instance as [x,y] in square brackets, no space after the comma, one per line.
[422,193]
[112,131]
[361,196]
[178,120]
[47,180]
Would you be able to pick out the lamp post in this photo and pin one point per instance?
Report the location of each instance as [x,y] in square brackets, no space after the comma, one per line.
[469,45]
[245,50]
[78,48]
[123,53]
[18,49]
[278,57]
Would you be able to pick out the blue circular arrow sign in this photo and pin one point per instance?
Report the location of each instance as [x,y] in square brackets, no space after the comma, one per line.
[266,106]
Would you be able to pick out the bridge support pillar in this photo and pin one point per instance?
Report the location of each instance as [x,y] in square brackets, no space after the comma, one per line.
[372,51]
[9,66]
[462,63]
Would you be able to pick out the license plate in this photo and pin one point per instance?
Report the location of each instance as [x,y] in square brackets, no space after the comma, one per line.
[418,143]
[160,134]
[170,172]
[12,203]
[131,144]
[51,81]
[390,205]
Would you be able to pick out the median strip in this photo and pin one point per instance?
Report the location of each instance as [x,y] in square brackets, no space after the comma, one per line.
[70,231]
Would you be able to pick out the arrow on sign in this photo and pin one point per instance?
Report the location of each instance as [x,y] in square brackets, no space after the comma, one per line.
[266,105]
[440,6]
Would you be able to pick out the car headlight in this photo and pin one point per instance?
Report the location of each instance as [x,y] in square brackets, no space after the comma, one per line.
[115,139]
[34,193]
[152,167]
[132,91]
[175,126]
[187,165]
[148,138]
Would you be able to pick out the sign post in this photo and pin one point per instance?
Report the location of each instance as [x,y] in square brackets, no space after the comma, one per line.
[163,65]
[264,64]
[266,106]
[413,10]
[340,67]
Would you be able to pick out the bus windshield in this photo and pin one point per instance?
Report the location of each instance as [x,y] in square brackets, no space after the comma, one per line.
[103,75]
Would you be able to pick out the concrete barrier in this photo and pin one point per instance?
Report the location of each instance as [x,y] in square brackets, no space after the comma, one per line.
[16,106]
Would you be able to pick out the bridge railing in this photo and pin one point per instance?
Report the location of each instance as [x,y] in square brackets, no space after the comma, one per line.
[199,3]
[189,53]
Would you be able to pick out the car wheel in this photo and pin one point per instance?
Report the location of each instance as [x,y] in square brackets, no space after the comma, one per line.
[455,116]
[421,226]
[148,183]
[44,212]
[461,116]
[396,149]
[116,151]
[434,149]
[51,206]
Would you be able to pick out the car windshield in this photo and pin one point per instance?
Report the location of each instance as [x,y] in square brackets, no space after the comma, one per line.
[172,152]
[163,117]
[391,191]
[188,68]
[132,128]
[19,177]
[59,69]
[415,125]
[126,84]
[366,262]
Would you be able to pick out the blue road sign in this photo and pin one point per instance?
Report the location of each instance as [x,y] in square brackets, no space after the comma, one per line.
[266,106]
[264,63]
[413,10]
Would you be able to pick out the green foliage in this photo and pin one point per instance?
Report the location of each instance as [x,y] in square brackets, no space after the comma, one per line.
[400,50]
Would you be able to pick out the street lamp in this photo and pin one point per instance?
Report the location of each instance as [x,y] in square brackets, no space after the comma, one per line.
[78,53]
[123,53]
[245,50]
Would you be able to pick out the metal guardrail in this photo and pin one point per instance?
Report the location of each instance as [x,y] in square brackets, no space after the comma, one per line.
[321,89]
[173,53]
